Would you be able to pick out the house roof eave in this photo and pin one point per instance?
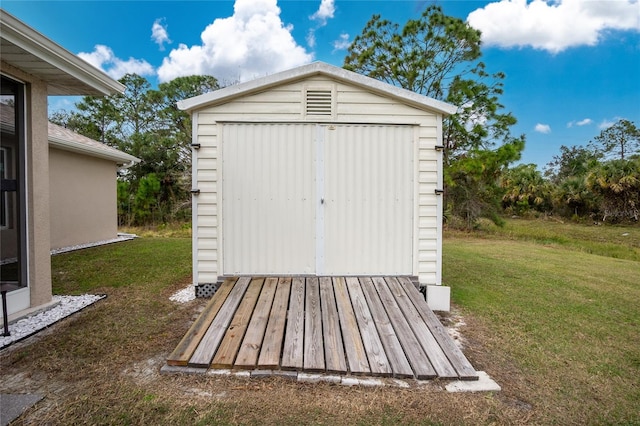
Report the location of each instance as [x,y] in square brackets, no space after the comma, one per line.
[65,73]
[65,145]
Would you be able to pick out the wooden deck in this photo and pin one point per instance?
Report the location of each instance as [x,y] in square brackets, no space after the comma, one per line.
[374,326]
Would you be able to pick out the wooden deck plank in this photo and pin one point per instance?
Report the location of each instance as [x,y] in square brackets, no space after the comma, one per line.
[459,361]
[354,348]
[436,355]
[203,354]
[292,353]
[250,347]
[378,361]
[274,334]
[398,360]
[420,364]
[228,349]
[181,354]
[333,346]
[313,343]
[377,326]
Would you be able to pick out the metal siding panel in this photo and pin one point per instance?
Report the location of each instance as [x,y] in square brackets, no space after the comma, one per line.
[268,199]
[369,199]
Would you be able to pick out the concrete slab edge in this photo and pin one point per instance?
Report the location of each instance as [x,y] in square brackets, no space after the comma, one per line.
[483,384]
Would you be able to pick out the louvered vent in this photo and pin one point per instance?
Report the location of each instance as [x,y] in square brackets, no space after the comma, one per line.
[319,102]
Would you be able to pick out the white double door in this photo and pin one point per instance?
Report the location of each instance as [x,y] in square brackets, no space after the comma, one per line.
[317,199]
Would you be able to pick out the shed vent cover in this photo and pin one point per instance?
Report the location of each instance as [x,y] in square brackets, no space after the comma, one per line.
[319,102]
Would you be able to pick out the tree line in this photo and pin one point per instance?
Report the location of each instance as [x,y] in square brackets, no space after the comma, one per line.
[599,181]
[440,56]
[435,55]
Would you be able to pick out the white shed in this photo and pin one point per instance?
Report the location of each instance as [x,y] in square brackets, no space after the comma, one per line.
[317,171]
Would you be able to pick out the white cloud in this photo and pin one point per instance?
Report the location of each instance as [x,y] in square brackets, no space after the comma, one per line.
[253,42]
[342,43]
[542,128]
[103,58]
[606,123]
[324,12]
[553,25]
[311,38]
[584,122]
[159,33]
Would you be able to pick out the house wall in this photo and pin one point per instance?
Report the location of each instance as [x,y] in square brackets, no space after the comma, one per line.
[83,194]
[286,104]
[37,171]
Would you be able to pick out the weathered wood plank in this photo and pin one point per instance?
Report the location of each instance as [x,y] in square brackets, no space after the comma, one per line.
[333,346]
[181,354]
[292,353]
[226,353]
[436,355]
[313,344]
[459,361]
[274,335]
[354,348]
[413,350]
[203,354]
[378,361]
[250,347]
[398,360]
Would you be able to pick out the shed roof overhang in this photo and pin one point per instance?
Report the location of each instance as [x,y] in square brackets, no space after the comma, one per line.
[65,73]
[316,68]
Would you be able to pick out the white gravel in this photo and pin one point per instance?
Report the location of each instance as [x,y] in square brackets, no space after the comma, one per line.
[34,323]
[185,295]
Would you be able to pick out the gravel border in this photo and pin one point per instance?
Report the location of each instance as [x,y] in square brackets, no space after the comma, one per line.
[30,325]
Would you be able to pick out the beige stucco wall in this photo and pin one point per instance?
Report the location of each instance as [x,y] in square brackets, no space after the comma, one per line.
[37,171]
[38,196]
[83,198]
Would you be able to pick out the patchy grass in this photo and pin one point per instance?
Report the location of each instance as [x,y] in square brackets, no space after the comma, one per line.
[169,230]
[617,241]
[556,326]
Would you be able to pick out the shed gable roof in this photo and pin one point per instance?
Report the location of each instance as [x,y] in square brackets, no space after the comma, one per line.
[230,93]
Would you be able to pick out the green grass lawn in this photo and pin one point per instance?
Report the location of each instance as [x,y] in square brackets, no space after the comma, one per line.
[567,320]
[552,313]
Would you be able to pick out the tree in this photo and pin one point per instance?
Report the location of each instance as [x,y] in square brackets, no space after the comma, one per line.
[421,57]
[438,56]
[618,182]
[572,198]
[618,141]
[176,124]
[573,161]
[526,189]
[96,119]
[135,110]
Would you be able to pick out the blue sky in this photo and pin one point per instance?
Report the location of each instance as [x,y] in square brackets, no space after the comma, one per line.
[572,66]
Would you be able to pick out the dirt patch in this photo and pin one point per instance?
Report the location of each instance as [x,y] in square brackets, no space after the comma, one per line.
[454,323]
[103,366]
